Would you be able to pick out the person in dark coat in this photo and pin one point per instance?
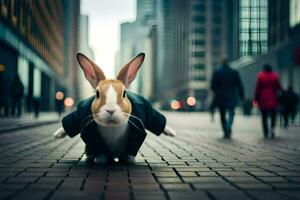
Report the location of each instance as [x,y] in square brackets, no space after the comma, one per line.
[247,107]
[17,90]
[36,106]
[227,87]
[288,105]
[59,105]
[266,92]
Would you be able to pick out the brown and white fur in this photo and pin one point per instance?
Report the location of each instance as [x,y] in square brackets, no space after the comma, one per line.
[111,108]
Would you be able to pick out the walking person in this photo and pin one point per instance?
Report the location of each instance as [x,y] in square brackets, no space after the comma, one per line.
[289,104]
[266,91]
[227,87]
[17,90]
[36,106]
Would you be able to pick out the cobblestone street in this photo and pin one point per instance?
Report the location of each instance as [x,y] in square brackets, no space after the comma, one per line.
[197,164]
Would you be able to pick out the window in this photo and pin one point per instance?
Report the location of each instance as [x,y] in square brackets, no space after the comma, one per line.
[199,78]
[198,54]
[199,19]
[199,8]
[199,66]
[199,30]
[198,42]
[253,31]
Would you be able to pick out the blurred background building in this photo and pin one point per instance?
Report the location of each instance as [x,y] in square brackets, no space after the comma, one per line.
[283,44]
[85,90]
[39,41]
[185,41]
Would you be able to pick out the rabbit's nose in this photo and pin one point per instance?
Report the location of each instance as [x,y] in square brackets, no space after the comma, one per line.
[110,111]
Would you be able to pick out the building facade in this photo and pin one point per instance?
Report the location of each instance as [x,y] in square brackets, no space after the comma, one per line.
[283,47]
[35,44]
[191,41]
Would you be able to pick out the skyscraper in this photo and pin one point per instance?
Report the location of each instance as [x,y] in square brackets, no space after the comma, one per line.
[191,43]
[84,88]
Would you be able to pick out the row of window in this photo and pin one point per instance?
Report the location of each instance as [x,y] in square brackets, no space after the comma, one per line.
[254,36]
[254,3]
[20,16]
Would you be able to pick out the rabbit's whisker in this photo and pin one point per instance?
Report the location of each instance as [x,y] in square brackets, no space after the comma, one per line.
[130,115]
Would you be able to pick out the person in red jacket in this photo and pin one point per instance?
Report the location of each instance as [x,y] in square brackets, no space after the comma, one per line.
[266,91]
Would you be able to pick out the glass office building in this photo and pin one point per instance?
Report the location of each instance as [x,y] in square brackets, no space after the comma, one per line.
[253,28]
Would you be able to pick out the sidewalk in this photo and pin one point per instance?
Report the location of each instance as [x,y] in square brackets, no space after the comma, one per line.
[27,120]
[196,164]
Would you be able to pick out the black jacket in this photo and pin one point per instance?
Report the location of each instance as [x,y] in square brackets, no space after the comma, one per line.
[150,119]
[227,87]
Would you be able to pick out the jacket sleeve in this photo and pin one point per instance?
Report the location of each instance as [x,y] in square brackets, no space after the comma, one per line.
[155,121]
[71,123]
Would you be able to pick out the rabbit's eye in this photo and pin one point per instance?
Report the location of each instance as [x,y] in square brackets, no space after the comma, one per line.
[97,93]
[124,93]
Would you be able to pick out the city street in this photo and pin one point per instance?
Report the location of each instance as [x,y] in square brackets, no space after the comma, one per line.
[197,164]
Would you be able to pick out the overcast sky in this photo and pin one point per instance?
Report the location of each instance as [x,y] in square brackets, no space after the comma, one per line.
[104,21]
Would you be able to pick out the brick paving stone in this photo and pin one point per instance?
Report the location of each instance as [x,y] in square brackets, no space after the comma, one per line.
[196,164]
[194,195]
[243,179]
[165,174]
[176,186]
[32,194]
[169,180]
[203,179]
[224,194]
[253,186]
[269,196]
[207,186]
[146,187]
[210,174]
[76,195]
[187,174]
[4,194]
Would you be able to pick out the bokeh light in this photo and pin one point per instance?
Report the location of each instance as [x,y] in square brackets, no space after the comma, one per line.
[59,95]
[191,101]
[175,105]
[69,102]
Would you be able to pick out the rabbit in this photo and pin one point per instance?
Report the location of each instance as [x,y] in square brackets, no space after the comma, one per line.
[112,123]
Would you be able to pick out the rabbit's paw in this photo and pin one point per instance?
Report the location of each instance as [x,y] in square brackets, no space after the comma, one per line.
[60,133]
[169,131]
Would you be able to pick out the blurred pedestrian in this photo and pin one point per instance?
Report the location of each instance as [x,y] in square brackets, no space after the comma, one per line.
[266,92]
[36,106]
[288,105]
[17,93]
[247,107]
[212,108]
[59,104]
[5,100]
[227,87]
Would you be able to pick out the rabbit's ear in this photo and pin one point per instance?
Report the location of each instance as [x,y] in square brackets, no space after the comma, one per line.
[129,71]
[91,71]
